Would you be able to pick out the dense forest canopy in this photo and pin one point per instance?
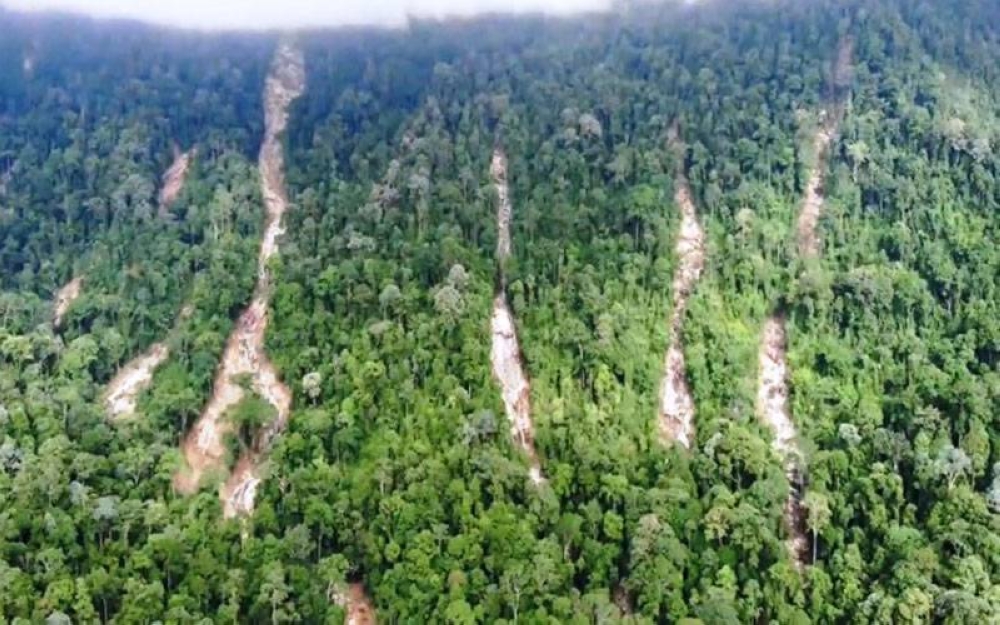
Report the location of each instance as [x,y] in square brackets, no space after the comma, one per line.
[397,486]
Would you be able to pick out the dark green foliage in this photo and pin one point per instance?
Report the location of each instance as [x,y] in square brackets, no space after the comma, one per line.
[397,469]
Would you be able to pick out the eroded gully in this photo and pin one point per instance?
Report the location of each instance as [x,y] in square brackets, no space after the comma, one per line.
[505,353]
[772,392]
[173,180]
[676,403]
[204,448]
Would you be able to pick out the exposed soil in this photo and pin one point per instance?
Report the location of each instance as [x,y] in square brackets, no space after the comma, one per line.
[204,448]
[676,404]
[812,205]
[772,393]
[772,405]
[65,298]
[623,601]
[505,354]
[514,386]
[123,391]
[173,180]
[357,604]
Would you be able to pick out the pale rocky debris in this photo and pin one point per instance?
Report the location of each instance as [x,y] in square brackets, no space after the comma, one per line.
[772,392]
[772,406]
[204,447]
[812,205]
[65,298]
[173,180]
[123,391]
[676,404]
[505,353]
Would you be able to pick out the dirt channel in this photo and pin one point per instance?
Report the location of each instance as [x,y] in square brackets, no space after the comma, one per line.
[505,353]
[676,404]
[204,448]
[772,393]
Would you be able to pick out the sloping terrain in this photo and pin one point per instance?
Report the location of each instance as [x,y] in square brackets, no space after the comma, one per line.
[829,127]
[65,297]
[677,408]
[123,391]
[839,335]
[173,180]
[772,405]
[357,604]
[772,398]
[244,354]
[505,353]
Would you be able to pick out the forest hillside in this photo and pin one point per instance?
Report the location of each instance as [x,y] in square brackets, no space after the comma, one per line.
[679,313]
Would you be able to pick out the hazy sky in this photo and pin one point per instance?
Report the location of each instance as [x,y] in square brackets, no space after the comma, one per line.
[292,13]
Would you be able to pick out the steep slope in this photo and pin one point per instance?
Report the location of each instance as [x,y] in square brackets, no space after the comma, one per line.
[505,355]
[65,298]
[357,604]
[123,391]
[812,206]
[173,180]
[772,405]
[772,394]
[204,448]
[676,404]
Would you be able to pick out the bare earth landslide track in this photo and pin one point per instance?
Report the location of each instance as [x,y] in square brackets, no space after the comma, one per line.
[124,389]
[357,604]
[772,392]
[173,180]
[505,354]
[65,298]
[204,448]
[676,403]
